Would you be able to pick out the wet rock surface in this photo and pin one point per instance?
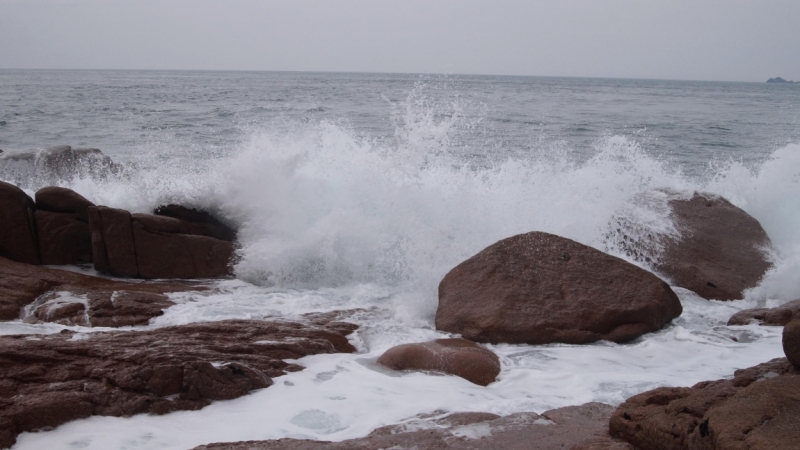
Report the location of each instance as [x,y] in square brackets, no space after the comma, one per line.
[758,409]
[458,357]
[204,223]
[62,226]
[17,227]
[55,164]
[570,428]
[721,251]
[151,246]
[777,316]
[538,288]
[53,295]
[47,380]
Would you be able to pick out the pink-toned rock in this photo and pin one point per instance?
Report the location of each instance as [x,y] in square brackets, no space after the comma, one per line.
[791,340]
[76,299]
[721,249]
[581,427]
[538,288]
[777,316]
[758,409]
[17,229]
[55,379]
[458,357]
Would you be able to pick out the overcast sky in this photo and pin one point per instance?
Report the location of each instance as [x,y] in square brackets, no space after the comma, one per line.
[673,39]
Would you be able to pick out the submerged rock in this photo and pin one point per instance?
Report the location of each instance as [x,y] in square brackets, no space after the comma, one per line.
[458,357]
[538,288]
[758,409]
[42,294]
[573,428]
[777,316]
[17,228]
[51,379]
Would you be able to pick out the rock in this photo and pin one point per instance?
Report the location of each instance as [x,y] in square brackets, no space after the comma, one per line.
[458,357]
[778,316]
[53,165]
[573,427]
[63,200]
[112,241]
[163,250]
[721,251]
[538,288]
[205,223]
[53,295]
[149,246]
[63,239]
[791,340]
[52,379]
[758,409]
[17,230]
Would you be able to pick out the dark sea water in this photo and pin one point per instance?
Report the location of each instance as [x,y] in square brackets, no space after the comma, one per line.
[130,114]
[364,190]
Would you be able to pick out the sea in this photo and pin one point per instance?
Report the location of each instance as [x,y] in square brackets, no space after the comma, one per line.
[361,191]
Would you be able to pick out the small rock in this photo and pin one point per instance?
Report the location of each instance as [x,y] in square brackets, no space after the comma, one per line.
[458,357]
[778,316]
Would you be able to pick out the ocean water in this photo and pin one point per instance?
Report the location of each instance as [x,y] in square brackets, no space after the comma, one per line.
[363,190]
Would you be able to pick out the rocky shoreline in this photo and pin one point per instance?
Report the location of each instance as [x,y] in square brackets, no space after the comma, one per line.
[535,288]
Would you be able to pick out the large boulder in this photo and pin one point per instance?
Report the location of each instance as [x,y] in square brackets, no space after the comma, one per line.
[581,427]
[112,241]
[53,379]
[62,226]
[758,409]
[791,340]
[777,316]
[17,229]
[63,200]
[538,288]
[721,250]
[458,357]
[201,222]
[42,294]
[154,246]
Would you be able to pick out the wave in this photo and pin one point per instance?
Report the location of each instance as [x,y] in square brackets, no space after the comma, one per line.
[318,205]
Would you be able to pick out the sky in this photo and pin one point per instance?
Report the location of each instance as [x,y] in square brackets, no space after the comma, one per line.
[735,40]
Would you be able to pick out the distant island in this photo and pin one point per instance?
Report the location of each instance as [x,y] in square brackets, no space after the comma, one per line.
[778,80]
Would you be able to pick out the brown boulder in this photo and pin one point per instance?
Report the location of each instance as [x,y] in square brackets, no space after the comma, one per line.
[791,340]
[721,249]
[207,224]
[758,409]
[17,230]
[150,246]
[164,251]
[538,288]
[777,316]
[76,299]
[112,241]
[458,357]
[63,239]
[58,378]
[581,427]
[63,200]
